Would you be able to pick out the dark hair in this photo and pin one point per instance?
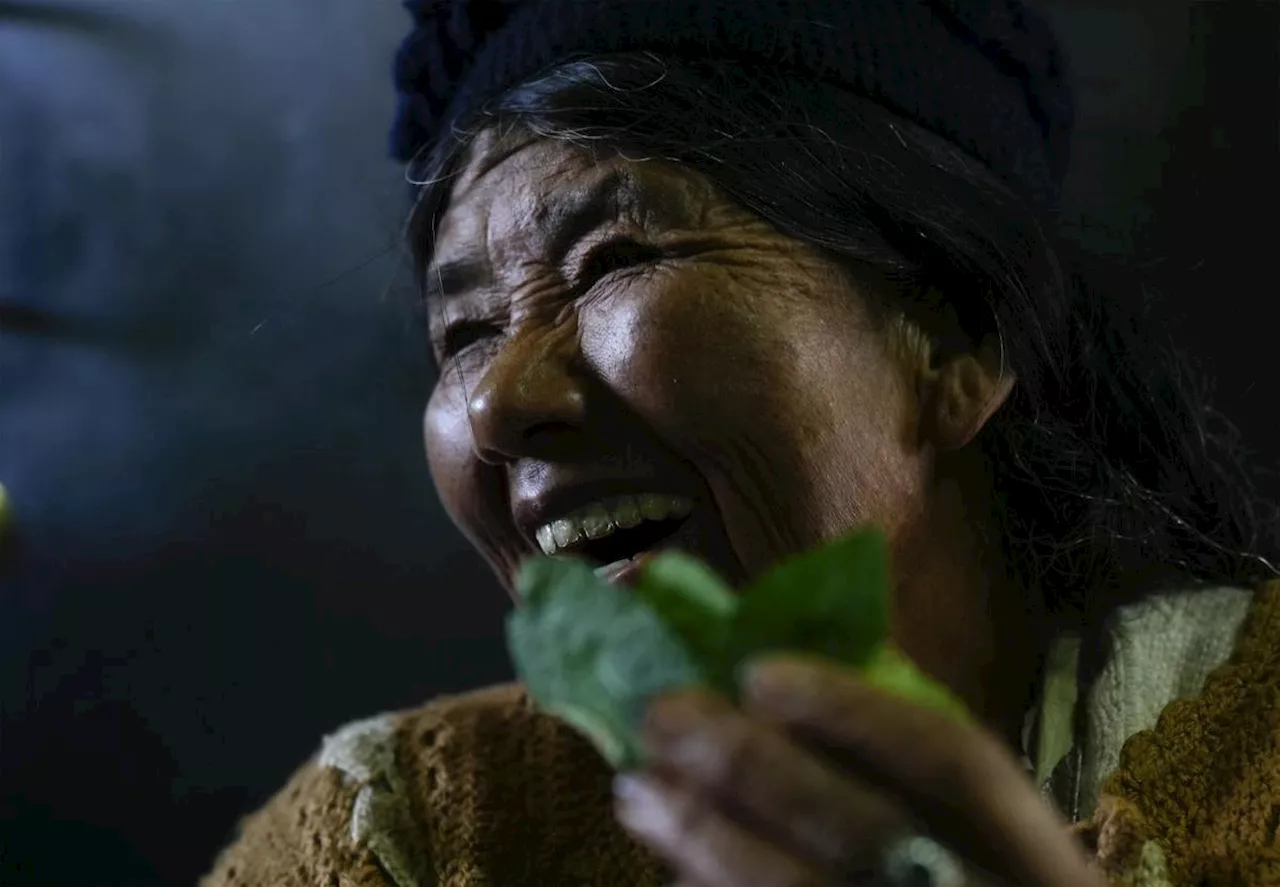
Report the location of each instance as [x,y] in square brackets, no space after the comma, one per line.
[1113,473]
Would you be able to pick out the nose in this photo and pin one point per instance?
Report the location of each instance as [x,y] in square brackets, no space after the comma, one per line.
[530,402]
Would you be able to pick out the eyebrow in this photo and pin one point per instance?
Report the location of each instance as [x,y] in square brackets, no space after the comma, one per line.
[570,218]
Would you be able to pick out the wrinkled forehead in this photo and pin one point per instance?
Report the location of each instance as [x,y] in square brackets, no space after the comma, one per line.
[517,186]
[509,181]
[493,155]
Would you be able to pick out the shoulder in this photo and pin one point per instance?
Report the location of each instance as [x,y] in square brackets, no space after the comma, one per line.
[1214,751]
[342,816]
[501,793]
[299,837]
[1262,628]
[499,703]
[491,723]
[529,801]
[478,785]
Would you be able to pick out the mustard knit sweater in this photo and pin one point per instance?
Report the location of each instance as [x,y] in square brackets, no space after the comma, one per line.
[480,790]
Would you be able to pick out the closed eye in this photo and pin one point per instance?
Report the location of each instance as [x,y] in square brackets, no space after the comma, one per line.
[615,255]
[461,335]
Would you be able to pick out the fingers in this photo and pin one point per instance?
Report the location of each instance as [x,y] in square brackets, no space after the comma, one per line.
[921,750]
[956,778]
[708,848]
[769,783]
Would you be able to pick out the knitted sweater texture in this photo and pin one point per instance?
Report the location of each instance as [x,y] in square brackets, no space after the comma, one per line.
[1202,788]
[481,790]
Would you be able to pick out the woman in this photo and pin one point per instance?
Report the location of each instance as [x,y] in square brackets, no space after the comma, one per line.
[735,280]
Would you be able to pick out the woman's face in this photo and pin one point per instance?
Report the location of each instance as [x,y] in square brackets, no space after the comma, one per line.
[618,342]
[630,362]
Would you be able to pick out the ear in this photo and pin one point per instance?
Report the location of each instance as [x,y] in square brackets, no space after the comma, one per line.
[962,394]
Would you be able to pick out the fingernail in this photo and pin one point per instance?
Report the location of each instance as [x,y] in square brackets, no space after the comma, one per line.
[628,785]
[635,796]
[644,809]
[782,687]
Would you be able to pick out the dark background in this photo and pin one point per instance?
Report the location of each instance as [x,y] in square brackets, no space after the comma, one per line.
[211,378]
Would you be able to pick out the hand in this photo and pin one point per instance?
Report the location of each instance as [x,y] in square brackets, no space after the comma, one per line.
[818,773]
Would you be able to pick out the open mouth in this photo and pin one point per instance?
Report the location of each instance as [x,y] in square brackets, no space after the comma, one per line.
[614,531]
[626,544]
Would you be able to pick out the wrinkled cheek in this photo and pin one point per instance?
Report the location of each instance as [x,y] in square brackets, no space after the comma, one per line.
[703,386]
[472,493]
[660,361]
[450,451]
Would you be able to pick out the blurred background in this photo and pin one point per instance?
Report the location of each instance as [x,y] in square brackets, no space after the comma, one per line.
[211,376]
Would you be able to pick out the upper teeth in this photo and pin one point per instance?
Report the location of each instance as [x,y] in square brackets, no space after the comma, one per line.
[599,519]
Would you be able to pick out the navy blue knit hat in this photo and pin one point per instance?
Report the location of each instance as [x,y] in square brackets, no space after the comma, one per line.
[986,74]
